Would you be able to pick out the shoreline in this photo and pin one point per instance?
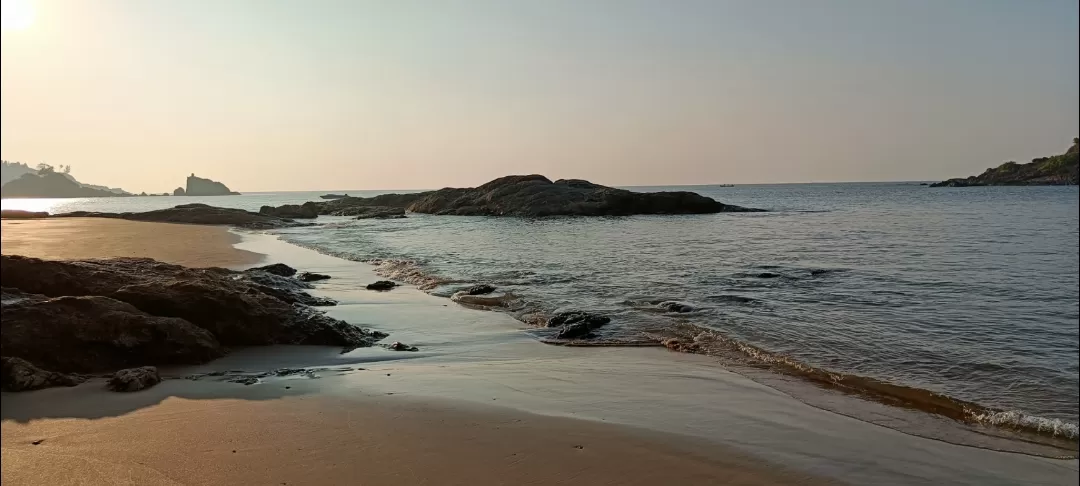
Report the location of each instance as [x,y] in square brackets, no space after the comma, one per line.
[902,407]
[468,358]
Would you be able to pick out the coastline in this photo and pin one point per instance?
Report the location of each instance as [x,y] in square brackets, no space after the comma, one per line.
[470,358]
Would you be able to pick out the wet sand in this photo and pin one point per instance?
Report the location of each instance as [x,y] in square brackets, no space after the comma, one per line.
[309,440]
[73,238]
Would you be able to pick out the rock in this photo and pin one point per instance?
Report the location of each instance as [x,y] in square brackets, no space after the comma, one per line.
[287,289]
[197,186]
[375,212]
[466,299]
[767,275]
[195,213]
[179,191]
[1057,170]
[382,285]
[20,214]
[480,289]
[275,269]
[576,324]
[230,305]
[291,211]
[530,196]
[398,346]
[17,374]
[311,277]
[92,333]
[672,306]
[134,379]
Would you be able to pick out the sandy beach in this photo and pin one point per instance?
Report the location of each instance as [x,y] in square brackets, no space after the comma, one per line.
[73,238]
[482,402]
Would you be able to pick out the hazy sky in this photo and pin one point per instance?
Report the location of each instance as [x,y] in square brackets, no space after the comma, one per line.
[313,95]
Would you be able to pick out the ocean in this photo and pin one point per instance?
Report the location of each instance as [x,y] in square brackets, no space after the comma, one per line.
[971,293]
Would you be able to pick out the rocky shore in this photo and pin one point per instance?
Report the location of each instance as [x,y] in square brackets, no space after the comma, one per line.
[517,195]
[195,213]
[1057,170]
[65,318]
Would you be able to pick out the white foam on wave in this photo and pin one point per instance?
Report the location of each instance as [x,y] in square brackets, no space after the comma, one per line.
[1012,418]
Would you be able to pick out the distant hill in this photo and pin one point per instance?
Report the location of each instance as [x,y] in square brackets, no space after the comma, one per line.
[47,182]
[1057,170]
[10,171]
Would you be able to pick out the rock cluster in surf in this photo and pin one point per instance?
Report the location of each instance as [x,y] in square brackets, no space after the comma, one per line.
[518,195]
[89,316]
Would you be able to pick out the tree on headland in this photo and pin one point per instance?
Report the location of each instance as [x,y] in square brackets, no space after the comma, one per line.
[44,168]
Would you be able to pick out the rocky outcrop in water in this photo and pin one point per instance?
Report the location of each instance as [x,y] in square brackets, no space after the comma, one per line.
[179,191]
[98,315]
[197,186]
[1057,170]
[134,379]
[577,324]
[195,213]
[529,196]
[381,285]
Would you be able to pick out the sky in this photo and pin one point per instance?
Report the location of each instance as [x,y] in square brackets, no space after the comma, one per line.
[269,95]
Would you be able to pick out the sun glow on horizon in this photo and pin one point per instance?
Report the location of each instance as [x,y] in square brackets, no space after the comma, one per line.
[16,14]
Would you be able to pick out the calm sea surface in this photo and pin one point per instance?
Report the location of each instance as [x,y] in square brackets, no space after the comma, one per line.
[971,292]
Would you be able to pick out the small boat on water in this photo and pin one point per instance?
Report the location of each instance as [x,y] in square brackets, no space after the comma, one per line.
[334,196]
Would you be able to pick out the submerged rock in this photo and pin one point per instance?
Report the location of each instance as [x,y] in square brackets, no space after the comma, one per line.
[480,289]
[17,374]
[672,306]
[530,196]
[134,379]
[311,277]
[381,285]
[577,324]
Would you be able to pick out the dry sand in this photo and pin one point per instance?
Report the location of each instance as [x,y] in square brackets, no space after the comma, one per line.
[71,238]
[85,435]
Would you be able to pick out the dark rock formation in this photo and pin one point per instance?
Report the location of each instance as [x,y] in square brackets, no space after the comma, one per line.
[287,289]
[195,213]
[479,289]
[381,285]
[51,184]
[577,324]
[134,379]
[311,277]
[1058,170]
[297,211]
[531,196]
[399,346]
[197,186]
[20,214]
[17,374]
[92,333]
[179,191]
[374,212]
[235,309]
[280,269]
